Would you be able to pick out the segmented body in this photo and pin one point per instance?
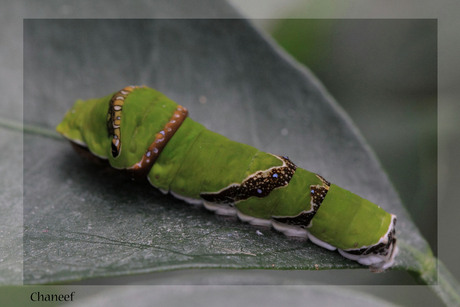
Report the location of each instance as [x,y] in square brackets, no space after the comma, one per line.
[150,135]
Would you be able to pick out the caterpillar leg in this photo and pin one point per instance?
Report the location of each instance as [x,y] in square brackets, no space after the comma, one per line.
[254,220]
[290,230]
[220,209]
[188,200]
[321,243]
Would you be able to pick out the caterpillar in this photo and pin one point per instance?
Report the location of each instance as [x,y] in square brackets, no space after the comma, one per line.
[140,130]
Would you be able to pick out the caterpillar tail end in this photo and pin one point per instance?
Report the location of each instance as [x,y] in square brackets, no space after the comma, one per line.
[380,256]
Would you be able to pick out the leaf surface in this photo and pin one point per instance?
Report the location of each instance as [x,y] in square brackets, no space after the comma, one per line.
[85,221]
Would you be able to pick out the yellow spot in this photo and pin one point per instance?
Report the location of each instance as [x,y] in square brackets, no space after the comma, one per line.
[203,99]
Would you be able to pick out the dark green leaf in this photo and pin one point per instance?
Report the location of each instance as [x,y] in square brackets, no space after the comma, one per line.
[84,221]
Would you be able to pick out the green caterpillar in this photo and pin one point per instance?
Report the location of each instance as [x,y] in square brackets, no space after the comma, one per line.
[141,130]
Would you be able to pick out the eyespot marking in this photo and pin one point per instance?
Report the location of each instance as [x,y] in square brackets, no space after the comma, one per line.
[114,117]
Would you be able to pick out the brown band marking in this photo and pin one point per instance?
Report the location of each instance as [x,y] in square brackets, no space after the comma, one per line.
[317,193]
[161,139]
[259,184]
